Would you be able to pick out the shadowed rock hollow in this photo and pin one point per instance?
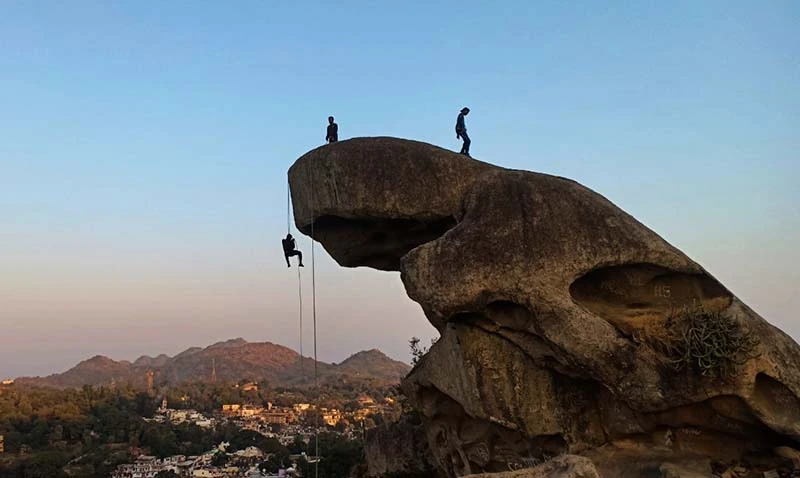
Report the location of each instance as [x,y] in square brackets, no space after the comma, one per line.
[557,313]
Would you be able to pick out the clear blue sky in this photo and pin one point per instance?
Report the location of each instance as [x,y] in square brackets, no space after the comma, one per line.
[144,148]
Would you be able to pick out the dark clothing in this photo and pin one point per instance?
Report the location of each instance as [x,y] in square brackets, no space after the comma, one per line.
[290,251]
[460,126]
[333,133]
[461,132]
[288,254]
[467,142]
[288,245]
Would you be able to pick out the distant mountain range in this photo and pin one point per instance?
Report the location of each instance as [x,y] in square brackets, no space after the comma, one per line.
[230,361]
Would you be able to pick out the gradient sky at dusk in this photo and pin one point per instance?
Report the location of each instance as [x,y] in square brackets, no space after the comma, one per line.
[144,148]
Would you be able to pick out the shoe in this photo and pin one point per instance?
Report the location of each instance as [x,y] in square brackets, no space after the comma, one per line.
[301,265]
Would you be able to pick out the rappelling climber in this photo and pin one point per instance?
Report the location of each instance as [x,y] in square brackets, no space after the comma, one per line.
[461,131]
[333,131]
[290,249]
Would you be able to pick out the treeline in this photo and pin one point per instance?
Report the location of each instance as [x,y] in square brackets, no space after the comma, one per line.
[88,431]
[339,392]
[339,457]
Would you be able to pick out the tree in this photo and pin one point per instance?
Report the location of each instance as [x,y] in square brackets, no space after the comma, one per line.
[47,464]
[342,425]
[272,445]
[145,405]
[161,440]
[220,458]
[418,352]
[276,460]
[246,438]
[298,445]
[339,456]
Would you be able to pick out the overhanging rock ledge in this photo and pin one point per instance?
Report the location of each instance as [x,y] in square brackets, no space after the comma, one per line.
[557,312]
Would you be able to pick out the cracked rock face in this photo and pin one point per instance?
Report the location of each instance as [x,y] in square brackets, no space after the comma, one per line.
[553,306]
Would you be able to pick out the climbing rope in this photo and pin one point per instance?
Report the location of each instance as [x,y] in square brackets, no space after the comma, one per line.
[300,299]
[313,314]
[314,320]
[299,280]
[288,208]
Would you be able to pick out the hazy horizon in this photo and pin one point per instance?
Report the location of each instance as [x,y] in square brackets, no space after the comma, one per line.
[172,354]
[144,150]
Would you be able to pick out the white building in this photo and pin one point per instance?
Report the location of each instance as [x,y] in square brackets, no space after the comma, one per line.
[144,467]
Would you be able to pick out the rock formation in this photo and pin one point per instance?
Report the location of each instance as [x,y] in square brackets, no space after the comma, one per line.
[566,325]
[399,449]
[563,466]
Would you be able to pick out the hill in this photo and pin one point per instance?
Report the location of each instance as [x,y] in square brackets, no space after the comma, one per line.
[373,364]
[97,370]
[229,361]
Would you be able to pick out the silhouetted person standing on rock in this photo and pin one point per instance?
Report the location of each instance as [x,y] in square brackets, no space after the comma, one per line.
[461,131]
[290,249]
[333,131]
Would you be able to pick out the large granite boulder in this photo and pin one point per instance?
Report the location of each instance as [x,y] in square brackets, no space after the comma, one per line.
[399,449]
[563,466]
[566,325]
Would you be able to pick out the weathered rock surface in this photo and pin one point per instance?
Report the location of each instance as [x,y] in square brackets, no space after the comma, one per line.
[554,308]
[564,466]
[399,449]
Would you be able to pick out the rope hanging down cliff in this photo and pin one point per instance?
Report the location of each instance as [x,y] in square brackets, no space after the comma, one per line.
[314,320]
[299,280]
[313,314]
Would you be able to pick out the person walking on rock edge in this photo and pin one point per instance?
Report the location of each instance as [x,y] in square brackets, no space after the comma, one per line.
[461,131]
[332,135]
